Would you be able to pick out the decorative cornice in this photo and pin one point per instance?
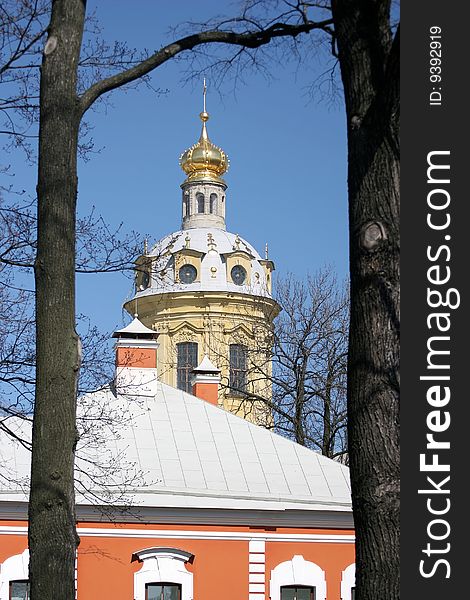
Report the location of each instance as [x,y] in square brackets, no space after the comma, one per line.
[203,516]
[177,534]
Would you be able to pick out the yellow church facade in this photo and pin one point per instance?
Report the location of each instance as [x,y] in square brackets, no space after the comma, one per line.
[207,292]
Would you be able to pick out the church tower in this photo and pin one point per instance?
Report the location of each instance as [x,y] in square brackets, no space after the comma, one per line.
[207,292]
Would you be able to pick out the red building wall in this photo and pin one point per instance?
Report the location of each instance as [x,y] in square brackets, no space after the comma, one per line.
[220,567]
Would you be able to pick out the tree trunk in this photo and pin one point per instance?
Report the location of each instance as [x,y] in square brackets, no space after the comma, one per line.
[52,534]
[369,68]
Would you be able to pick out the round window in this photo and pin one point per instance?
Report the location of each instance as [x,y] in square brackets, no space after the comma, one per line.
[238,274]
[187,274]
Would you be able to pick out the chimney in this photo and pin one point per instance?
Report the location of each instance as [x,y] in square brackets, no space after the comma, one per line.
[205,381]
[136,355]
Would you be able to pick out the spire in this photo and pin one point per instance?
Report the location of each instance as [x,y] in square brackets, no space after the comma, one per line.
[204,161]
[204,116]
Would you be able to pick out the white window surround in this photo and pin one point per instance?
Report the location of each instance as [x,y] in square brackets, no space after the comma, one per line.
[163,565]
[348,581]
[297,571]
[14,568]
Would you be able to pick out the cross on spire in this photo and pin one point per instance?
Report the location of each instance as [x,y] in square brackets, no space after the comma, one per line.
[204,91]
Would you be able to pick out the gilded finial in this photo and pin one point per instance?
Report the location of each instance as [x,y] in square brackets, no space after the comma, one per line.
[204,116]
[187,239]
[266,251]
[204,160]
[146,247]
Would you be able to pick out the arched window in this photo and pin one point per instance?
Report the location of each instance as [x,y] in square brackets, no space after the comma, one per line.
[163,575]
[185,205]
[238,370]
[14,583]
[348,582]
[186,362]
[200,203]
[297,579]
[213,203]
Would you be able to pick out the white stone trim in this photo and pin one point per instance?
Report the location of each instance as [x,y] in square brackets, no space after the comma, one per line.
[13,530]
[196,535]
[258,546]
[257,558]
[137,343]
[256,578]
[163,565]
[256,569]
[13,568]
[213,379]
[348,581]
[297,571]
[134,381]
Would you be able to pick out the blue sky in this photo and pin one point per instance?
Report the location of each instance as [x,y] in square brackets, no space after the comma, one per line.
[287,179]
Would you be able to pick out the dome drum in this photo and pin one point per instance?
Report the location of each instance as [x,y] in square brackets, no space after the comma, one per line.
[223,261]
[203,204]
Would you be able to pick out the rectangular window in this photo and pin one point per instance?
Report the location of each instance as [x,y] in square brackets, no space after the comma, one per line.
[238,360]
[186,362]
[162,591]
[299,592]
[19,590]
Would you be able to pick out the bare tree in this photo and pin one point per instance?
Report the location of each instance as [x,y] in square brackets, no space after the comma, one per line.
[295,376]
[99,250]
[366,47]
[364,40]
[309,363]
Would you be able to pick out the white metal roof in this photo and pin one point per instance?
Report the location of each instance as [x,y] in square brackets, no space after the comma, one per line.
[206,366]
[194,454]
[135,326]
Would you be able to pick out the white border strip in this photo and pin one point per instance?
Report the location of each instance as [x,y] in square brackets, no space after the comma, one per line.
[256,566]
[196,535]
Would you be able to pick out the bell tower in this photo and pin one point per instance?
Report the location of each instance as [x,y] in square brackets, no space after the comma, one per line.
[207,291]
[204,189]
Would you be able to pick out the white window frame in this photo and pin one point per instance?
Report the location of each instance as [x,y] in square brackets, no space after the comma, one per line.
[165,565]
[297,571]
[14,568]
[348,581]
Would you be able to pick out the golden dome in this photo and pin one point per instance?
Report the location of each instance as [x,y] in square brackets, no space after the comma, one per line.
[204,160]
